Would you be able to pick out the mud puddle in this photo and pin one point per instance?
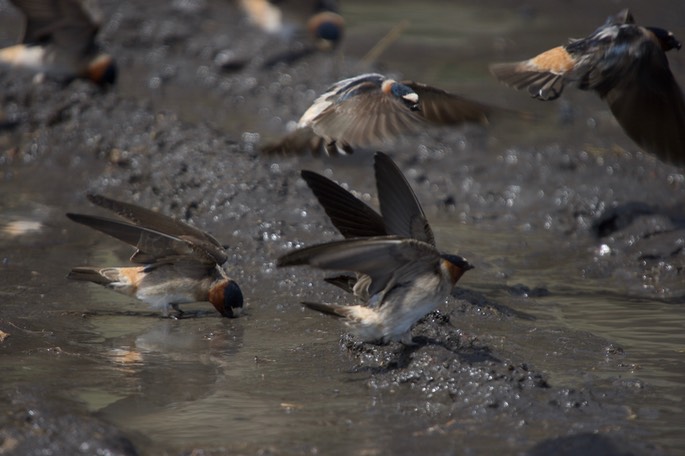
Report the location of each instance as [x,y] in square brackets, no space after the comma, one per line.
[569,328]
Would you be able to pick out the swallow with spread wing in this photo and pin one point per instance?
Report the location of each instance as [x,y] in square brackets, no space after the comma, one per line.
[59,42]
[177,263]
[372,110]
[407,280]
[626,65]
[402,213]
[401,276]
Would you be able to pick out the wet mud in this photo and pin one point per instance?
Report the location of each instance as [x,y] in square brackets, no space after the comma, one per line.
[554,214]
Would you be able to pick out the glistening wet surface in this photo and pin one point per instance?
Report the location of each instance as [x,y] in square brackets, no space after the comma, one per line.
[571,324]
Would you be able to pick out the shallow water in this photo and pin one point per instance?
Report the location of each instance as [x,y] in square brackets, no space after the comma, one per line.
[276,374]
[277,378]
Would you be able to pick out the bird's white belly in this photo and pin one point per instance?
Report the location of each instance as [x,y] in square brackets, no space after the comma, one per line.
[161,296]
[399,312]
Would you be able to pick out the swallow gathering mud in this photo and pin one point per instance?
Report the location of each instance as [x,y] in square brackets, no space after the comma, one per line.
[401,276]
[178,263]
[407,279]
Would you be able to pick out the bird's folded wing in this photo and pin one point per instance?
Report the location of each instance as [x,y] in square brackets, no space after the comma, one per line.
[153,246]
[150,219]
[378,257]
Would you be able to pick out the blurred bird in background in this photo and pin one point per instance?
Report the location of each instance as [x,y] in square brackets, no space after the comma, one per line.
[626,65]
[59,42]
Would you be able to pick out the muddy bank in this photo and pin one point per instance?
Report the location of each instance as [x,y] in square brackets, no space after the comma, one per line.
[494,370]
[36,422]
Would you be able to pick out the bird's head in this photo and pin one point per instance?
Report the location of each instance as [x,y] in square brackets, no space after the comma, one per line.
[227,298]
[666,39]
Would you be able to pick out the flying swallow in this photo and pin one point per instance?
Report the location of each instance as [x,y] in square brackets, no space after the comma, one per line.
[59,42]
[371,110]
[626,65]
[177,263]
[396,293]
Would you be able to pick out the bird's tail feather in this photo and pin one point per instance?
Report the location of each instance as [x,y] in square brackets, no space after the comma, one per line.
[345,282]
[329,309]
[91,275]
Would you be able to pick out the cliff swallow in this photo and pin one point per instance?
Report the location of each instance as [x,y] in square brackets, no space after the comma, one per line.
[407,280]
[402,214]
[320,18]
[178,263]
[371,110]
[626,65]
[59,42]
[402,220]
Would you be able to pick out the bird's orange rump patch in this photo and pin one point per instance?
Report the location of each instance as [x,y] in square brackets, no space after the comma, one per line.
[132,276]
[556,60]
[10,55]
[21,55]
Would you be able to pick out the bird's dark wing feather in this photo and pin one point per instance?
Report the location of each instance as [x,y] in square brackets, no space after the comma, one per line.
[381,258]
[351,216]
[443,108]
[371,119]
[649,105]
[151,219]
[631,72]
[153,246]
[401,210]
